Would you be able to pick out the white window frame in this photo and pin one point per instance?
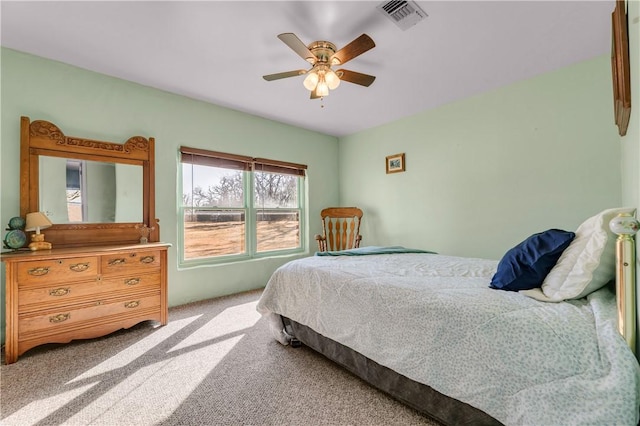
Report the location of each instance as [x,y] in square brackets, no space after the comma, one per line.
[249,209]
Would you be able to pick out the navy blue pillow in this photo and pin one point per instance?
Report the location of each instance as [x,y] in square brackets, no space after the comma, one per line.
[526,265]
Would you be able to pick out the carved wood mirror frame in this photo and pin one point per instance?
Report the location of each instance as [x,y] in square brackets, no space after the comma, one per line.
[44,138]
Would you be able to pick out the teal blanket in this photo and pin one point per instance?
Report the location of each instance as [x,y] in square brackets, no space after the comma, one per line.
[362,251]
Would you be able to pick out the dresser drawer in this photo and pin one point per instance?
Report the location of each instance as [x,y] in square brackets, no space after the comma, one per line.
[39,298]
[129,263]
[51,271]
[33,298]
[131,282]
[79,314]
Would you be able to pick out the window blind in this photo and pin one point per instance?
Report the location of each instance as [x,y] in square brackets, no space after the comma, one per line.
[239,162]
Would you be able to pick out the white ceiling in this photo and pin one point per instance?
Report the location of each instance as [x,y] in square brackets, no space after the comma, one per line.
[217,51]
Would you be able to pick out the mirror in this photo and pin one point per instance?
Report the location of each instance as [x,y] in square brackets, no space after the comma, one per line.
[94,192]
[76,191]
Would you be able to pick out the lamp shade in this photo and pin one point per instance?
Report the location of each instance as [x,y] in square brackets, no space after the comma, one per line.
[37,221]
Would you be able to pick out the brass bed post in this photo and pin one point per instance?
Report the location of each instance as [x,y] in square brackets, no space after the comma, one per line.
[625,225]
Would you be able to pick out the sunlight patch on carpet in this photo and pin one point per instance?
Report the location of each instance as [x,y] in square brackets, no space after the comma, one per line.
[229,321]
[137,350]
[144,397]
[36,411]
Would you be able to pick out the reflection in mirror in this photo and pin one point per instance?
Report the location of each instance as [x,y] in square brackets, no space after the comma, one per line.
[73,191]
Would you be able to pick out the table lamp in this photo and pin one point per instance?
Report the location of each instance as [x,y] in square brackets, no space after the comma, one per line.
[35,222]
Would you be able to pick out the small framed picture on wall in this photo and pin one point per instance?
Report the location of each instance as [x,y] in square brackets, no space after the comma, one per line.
[395,163]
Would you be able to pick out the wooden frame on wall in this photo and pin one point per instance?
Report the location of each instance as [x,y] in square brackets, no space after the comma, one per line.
[395,163]
[620,68]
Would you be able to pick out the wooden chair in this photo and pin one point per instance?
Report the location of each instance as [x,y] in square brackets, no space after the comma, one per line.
[340,228]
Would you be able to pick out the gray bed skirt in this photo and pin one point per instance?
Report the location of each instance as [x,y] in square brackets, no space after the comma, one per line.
[421,397]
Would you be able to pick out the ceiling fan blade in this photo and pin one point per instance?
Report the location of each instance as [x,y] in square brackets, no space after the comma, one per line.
[355,77]
[314,95]
[291,40]
[279,75]
[355,48]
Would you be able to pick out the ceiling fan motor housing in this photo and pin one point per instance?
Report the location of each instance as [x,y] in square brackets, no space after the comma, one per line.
[322,50]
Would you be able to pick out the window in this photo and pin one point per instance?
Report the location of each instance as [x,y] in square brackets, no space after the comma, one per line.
[237,207]
[76,208]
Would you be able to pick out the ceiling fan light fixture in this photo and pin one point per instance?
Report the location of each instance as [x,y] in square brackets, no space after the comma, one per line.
[322,89]
[321,79]
[332,79]
[311,80]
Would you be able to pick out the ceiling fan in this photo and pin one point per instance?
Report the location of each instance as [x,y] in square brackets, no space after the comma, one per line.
[322,55]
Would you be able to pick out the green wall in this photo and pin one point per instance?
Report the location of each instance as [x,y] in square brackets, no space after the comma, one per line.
[95,106]
[485,172]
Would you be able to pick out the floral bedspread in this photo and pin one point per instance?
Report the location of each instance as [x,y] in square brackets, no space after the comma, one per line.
[434,319]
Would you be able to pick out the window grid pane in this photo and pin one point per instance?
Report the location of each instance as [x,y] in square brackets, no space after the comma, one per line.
[275,190]
[205,186]
[210,233]
[277,229]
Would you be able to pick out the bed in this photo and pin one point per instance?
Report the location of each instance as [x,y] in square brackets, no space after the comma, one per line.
[429,330]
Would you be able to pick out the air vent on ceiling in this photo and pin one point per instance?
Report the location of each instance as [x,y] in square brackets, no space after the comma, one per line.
[404,14]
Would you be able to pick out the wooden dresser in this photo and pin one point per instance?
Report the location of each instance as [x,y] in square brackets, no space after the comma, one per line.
[55,296]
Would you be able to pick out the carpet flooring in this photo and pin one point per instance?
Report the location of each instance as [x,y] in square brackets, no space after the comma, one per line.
[214,363]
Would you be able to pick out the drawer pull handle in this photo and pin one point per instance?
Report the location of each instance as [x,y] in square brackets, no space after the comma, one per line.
[132,304]
[38,272]
[132,281]
[59,318]
[118,261]
[79,267]
[60,292]
[147,259]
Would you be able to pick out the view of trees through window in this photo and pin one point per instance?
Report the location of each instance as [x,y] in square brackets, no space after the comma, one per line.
[217,203]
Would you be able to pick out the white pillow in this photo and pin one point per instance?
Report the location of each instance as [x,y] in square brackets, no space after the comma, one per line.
[587,264]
